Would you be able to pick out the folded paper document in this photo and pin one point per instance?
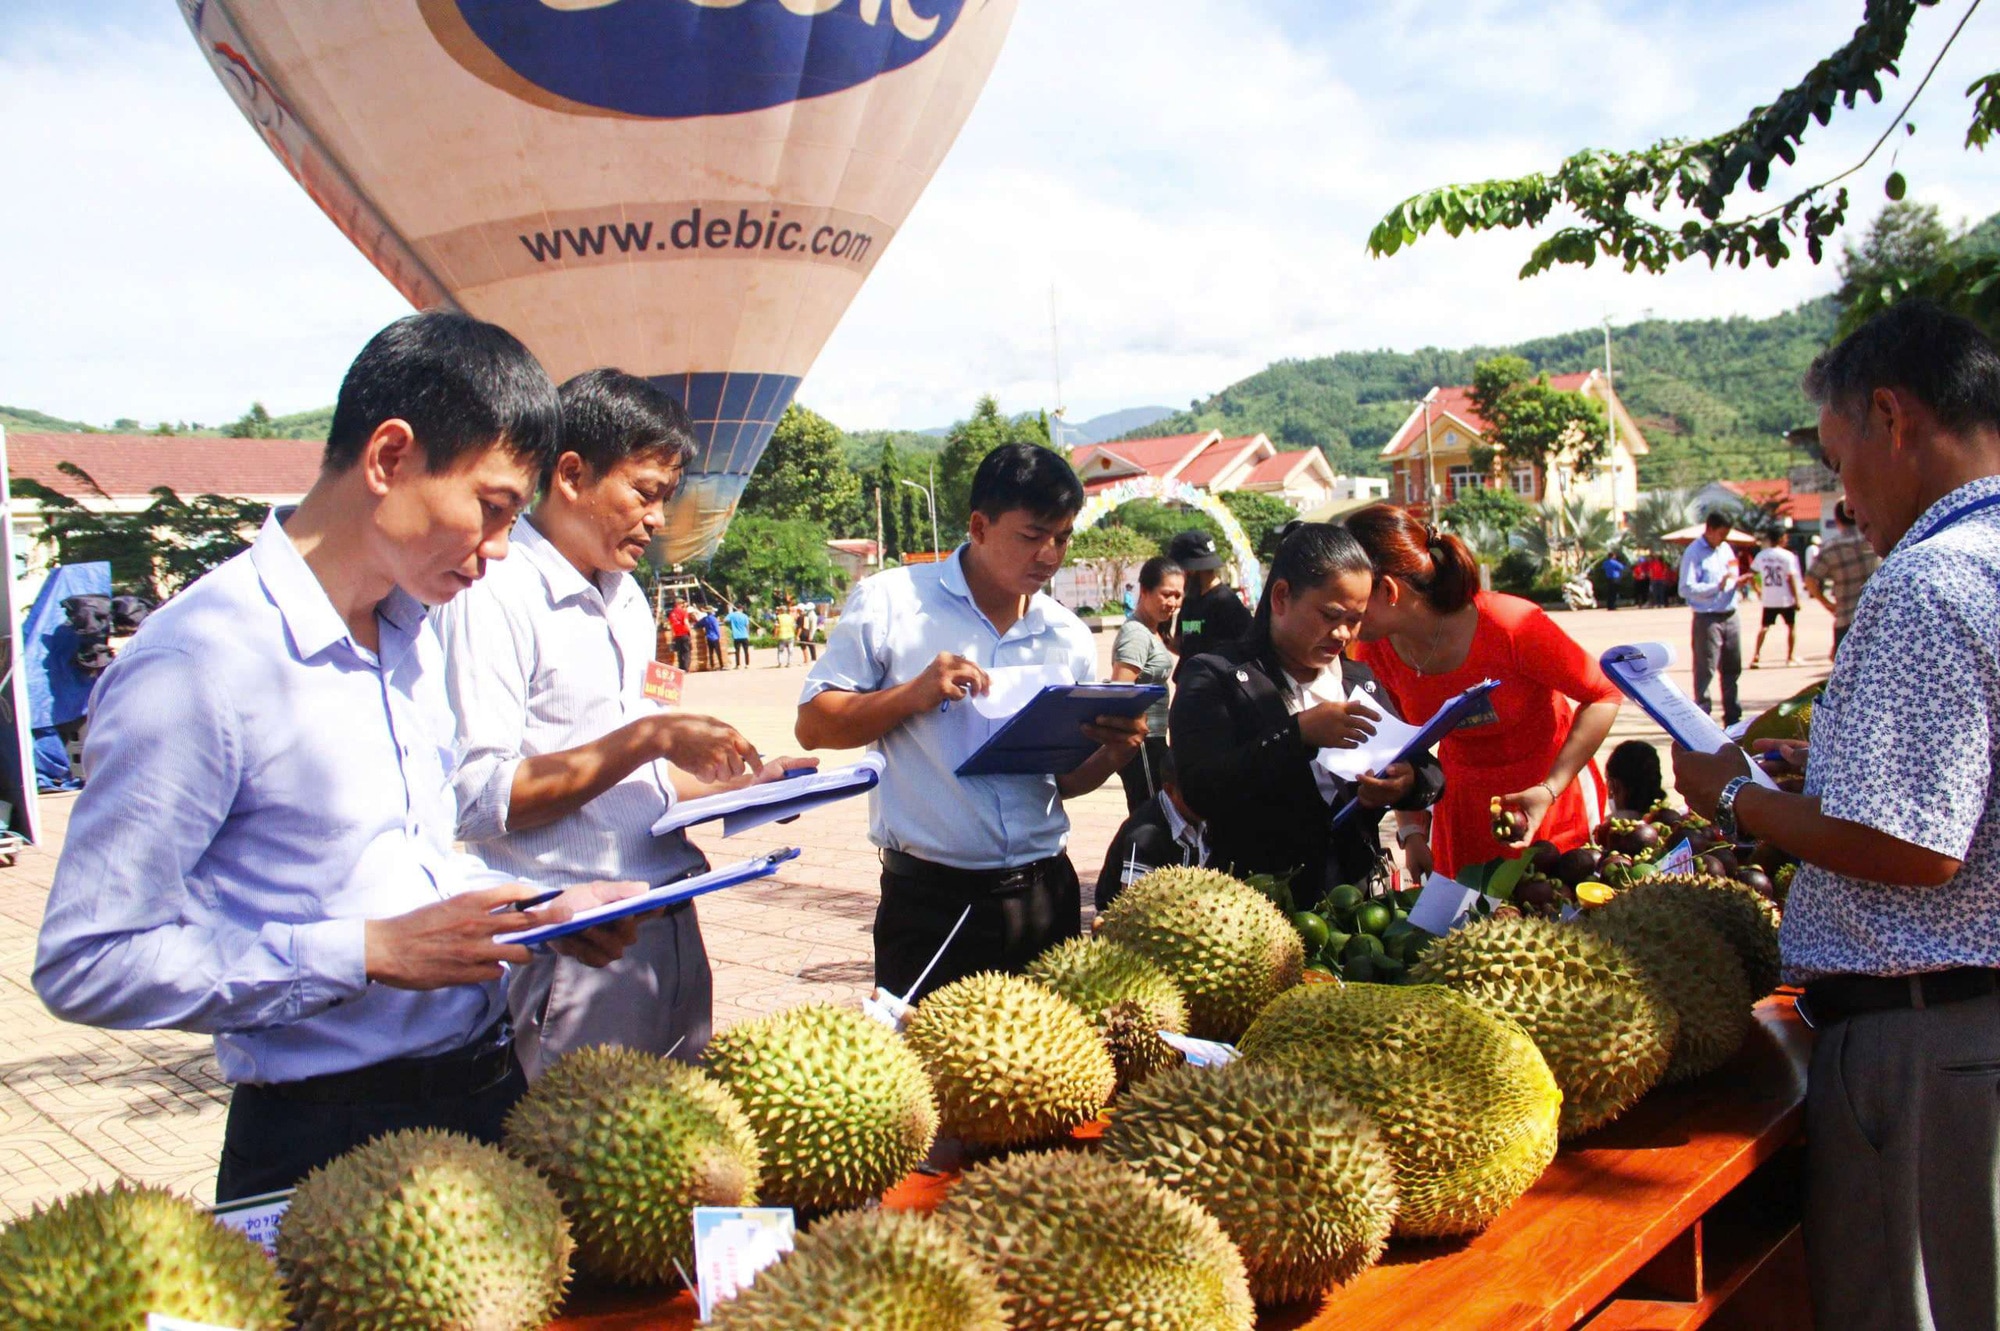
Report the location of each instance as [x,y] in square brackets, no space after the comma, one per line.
[1640,670]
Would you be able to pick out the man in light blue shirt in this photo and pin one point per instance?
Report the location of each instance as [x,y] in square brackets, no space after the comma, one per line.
[910,649]
[1709,576]
[264,851]
[739,636]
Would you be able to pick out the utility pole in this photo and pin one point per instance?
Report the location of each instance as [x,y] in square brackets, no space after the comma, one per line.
[1430,484]
[1055,367]
[881,548]
[1611,428]
[930,498]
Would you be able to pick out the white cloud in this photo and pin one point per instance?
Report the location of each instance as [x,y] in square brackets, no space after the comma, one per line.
[1196,180]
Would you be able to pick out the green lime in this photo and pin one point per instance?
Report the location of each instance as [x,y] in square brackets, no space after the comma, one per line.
[1361,945]
[1373,918]
[1407,898]
[1359,970]
[1396,938]
[1313,929]
[1335,944]
[1388,970]
[1345,897]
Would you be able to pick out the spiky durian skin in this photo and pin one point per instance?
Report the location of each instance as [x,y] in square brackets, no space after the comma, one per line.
[1465,1099]
[870,1271]
[1745,918]
[1012,1063]
[1082,1243]
[1605,1035]
[1691,967]
[1129,998]
[841,1107]
[424,1231]
[105,1258]
[1228,948]
[1299,1179]
[632,1143]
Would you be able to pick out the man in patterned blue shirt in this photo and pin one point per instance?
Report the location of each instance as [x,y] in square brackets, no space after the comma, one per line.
[1891,923]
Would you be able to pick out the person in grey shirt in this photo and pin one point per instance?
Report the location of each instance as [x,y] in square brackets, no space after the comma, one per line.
[1138,655]
[563,763]
[1890,922]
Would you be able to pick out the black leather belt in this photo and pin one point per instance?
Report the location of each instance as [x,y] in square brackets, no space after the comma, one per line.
[1839,997]
[453,1075]
[971,882]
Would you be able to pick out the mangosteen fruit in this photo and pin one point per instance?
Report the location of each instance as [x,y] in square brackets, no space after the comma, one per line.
[1579,865]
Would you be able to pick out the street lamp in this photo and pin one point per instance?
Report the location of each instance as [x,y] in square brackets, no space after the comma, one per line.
[929,492]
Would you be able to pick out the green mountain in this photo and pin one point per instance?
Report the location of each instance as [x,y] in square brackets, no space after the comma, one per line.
[1713,396]
[30,421]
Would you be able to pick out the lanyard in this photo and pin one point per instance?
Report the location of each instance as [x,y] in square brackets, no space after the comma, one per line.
[1960,514]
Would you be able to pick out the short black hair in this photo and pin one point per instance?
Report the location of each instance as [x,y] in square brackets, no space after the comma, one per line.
[609,415]
[1156,571]
[1717,518]
[1635,765]
[462,385]
[1940,359]
[1026,477]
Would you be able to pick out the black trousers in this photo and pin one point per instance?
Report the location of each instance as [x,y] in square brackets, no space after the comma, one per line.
[1145,775]
[683,652]
[273,1139]
[742,650]
[1017,914]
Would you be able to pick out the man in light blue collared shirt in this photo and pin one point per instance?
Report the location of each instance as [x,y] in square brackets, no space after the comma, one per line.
[910,647]
[264,851]
[1709,576]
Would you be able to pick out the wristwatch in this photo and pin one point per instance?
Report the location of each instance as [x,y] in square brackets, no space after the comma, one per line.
[1725,807]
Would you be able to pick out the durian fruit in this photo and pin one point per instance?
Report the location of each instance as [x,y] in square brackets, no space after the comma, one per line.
[424,1231]
[1744,917]
[103,1259]
[1013,1063]
[1129,998]
[1464,1097]
[1605,1035]
[1690,966]
[870,1271]
[1299,1179]
[1082,1243]
[1228,948]
[633,1143]
[841,1107]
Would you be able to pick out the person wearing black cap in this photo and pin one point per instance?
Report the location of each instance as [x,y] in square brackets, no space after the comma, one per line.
[1213,615]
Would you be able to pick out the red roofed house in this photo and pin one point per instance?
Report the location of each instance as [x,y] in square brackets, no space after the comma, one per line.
[1446,428]
[127,468]
[1303,478]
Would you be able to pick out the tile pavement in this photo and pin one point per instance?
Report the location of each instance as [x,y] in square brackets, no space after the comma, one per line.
[81,1106]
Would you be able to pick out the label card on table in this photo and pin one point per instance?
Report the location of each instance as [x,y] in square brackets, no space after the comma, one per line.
[256,1218]
[732,1244]
[664,683]
[1442,906]
[1678,860]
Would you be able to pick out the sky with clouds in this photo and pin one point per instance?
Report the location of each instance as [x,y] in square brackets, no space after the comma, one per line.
[1195,180]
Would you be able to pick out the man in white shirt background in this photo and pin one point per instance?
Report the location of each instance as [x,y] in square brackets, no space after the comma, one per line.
[1709,577]
[264,851]
[563,763]
[1777,569]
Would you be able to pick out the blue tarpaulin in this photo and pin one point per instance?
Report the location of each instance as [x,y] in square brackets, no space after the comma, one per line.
[58,692]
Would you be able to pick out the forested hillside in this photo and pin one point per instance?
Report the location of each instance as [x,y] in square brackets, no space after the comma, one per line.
[1713,395]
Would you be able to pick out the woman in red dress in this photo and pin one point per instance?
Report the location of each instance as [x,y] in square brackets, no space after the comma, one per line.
[1431,633]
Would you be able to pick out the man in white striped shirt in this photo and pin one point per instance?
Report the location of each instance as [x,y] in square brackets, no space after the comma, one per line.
[563,763]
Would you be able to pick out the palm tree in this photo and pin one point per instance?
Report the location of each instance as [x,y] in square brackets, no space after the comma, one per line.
[1659,513]
[1569,536]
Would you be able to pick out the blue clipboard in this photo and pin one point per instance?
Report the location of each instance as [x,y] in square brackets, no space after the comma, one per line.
[1441,724]
[668,894]
[1045,738]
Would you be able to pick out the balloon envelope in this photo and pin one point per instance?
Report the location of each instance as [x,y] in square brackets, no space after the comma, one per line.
[692,190]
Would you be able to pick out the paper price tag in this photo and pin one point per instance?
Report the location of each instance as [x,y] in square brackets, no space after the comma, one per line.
[256,1218]
[664,683]
[732,1244]
[1442,906]
[1201,1053]
[1678,860]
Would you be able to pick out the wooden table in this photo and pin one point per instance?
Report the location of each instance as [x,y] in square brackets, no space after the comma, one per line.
[1683,1213]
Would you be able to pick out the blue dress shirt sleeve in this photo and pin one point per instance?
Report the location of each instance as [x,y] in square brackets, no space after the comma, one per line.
[488,662]
[855,657]
[128,940]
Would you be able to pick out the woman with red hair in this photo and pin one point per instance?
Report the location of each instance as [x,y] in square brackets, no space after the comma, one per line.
[1430,633]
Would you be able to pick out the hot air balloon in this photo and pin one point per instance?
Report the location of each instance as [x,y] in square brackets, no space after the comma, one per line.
[692,190]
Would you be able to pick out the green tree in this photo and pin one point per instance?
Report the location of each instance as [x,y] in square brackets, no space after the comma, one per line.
[1262,516]
[759,553]
[154,552]
[1487,509]
[804,474]
[1119,550]
[1160,523]
[252,424]
[1665,204]
[1533,421]
[1906,240]
[966,446]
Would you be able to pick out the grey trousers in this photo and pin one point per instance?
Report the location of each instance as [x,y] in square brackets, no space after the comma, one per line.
[658,994]
[1718,649]
[1903,1170]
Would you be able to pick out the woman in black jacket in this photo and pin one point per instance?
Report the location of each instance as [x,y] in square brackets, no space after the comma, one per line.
[1248,722]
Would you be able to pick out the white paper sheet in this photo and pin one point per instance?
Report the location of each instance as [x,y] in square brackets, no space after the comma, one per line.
[1009,688]
[1374,753]
[1640,671]
[752,806]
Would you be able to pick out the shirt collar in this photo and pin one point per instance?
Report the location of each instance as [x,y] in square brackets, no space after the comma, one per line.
[952,577]
[1969,493]
[310,619]
[563,579]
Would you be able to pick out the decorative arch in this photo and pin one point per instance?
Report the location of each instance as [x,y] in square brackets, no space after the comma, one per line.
[1100,505]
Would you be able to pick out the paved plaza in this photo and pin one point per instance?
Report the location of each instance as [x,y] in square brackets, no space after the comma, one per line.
[80,1106]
